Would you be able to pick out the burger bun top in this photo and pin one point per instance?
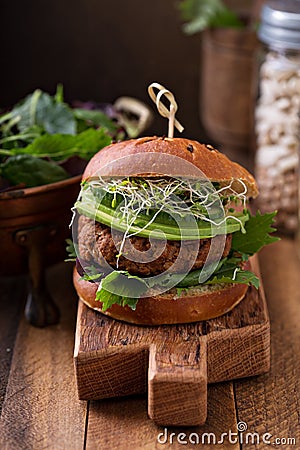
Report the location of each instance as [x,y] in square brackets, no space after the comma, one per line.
[149,156]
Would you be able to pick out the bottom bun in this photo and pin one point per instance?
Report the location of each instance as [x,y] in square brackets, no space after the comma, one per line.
[193,305]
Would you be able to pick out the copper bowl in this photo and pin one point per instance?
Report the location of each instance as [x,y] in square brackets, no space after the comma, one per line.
[46,208]
[34,224]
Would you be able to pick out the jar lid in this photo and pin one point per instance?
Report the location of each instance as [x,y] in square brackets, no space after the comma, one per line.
[280,24]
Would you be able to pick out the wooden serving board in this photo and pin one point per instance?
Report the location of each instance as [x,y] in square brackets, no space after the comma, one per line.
[173,363]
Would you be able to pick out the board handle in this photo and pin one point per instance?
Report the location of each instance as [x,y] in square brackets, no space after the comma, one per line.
[177,383]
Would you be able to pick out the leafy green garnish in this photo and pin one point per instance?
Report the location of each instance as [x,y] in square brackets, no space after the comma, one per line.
[31,171]
[180,290]
[228,270]
[60,147]
[59,94]
[236,275]
[45,127]
[71,250]
[257,234]
[27,166]
[193,277]
[96,118]
[109,299]
[44,111]
[91,273]
[129,288]
[202,14]
[124,289]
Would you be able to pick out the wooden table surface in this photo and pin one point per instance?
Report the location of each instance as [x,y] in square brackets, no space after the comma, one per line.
[38,399]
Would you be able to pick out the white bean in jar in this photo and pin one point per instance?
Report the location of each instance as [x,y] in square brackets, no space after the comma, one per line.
[277,113]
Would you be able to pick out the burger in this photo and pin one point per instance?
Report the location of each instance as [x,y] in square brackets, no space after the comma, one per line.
[163,234]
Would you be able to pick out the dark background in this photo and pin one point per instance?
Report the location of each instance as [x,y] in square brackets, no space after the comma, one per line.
[100,50]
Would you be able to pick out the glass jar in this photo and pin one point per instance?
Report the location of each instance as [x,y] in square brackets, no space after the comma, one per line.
[277,113]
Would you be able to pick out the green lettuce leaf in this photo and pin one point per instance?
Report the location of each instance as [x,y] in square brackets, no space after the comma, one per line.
[71,250]
[237,276]
[96,118]
[31,171]
[227,271]
[59,147]
[258,229]
[129,288]
[109,299]
[41,109]
[91,273]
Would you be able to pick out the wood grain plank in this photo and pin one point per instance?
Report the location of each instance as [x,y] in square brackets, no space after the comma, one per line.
[41,407]
[177,384]
[12,301]
[271,403]
[123,423]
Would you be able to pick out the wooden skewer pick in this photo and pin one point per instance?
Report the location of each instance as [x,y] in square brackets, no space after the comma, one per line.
[163,111]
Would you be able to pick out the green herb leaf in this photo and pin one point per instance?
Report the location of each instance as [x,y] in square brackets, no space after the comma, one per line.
[128,287]
[55,117]
[59,94]
[44,111]
[55,146]
[125,283]
[226,19]
[109,299]
[180,290]
[236,275]
[91,274]
[31,171]
[257,234]
[202,14]
[193,277]
[96,118]
[228,270]
[60,147]
[71,250]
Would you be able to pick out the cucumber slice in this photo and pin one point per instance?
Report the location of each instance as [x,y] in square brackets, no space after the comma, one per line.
[157,230]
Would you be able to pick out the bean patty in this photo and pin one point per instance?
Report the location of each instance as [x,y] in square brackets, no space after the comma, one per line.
[140,256]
